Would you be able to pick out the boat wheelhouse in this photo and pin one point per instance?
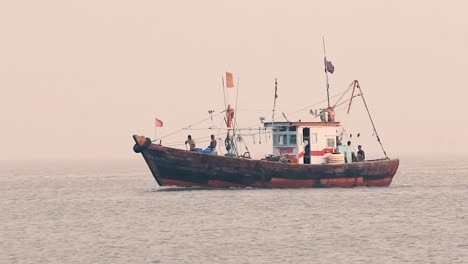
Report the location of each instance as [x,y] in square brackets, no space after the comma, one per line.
[304,142]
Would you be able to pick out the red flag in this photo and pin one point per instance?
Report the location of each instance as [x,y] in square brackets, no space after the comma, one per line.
[329,66]
[158,123]
[229,80]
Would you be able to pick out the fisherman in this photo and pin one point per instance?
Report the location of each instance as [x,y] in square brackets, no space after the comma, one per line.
[361,156]
[191,143]
[348,153]
[212,143]
[227,142]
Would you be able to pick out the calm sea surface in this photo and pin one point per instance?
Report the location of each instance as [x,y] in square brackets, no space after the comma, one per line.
[111,212]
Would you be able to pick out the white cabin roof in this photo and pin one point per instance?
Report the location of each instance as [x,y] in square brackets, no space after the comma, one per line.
[302,124]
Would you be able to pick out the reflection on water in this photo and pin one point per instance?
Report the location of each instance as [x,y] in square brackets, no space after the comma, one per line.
[111,212]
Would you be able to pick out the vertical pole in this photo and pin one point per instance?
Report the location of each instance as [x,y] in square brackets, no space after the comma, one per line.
[229,116]
[236,112]
[224,92]
[326,72]
[274,102]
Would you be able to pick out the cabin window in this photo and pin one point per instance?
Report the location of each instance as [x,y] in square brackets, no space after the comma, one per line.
[313,138]
[282,129]
[293,128]
[276,139]
[292,140]
[283,140]
[331,142]
[280,139]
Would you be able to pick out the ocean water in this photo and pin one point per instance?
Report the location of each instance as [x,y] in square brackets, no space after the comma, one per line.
[112,212]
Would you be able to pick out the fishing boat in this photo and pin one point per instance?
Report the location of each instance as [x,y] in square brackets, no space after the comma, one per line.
[305,154]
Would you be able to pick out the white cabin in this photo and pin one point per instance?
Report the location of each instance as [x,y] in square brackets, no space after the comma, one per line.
[306,142]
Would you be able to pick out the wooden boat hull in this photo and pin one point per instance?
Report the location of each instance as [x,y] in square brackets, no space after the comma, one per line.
[175,167]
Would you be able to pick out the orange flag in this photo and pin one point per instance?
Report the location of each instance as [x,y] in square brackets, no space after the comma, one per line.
[229,80]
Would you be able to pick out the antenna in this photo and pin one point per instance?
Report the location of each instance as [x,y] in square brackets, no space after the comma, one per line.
[211,113]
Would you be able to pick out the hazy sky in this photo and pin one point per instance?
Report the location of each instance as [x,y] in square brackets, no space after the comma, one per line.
[78,78]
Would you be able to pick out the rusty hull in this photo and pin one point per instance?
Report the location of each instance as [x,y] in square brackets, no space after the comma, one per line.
[175,167]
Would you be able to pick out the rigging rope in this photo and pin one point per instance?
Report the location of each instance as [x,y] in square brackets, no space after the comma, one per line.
[197,140]
[239,135]
[372,121]
[323,101]
[344,93]
[185,128]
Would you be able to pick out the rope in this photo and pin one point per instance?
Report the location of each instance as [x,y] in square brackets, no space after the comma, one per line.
[239,135]
[177,131]
[323,101]
[197,140]
[344,93]
[346,101]
[372,121]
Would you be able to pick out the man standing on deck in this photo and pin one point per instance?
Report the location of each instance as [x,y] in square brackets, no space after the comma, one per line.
[348,153]
[361,156]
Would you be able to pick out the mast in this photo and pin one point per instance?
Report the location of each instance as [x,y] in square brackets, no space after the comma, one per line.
[224,92]
[230,136]
[326,72]
[234,122]
[274,102]
[231,117]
